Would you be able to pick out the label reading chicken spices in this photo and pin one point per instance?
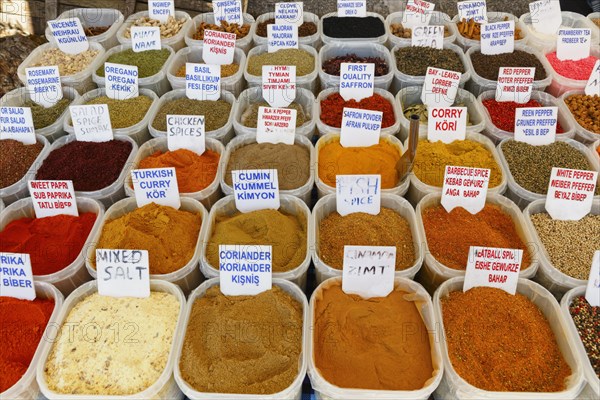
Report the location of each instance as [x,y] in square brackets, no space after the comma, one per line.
[493,267]
[123,273]
[16,278]
[570,193]
[245,269]
[368,271]
[186,132]
[52,198]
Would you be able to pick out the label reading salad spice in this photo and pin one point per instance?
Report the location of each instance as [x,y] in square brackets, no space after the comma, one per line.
[279,84]
[592,292]
[447,124]
[493,267]
[202,81]
[536,125]
[358,193]
[123,273]
[16,123]
[440,87]
[121,81]
[360,128]
[161,9]
[52,198]
[428,36]
[218,47]
[546,16]
[276,125]
[417,13]
[289,13]
[368,271]
[573,44]
[570,193]
[229,11]
[357,80]
[475,10]
[43,85]
[593,84]
[156,185]
[91,123]
[498,37]
[465,187]
[255,189]
[16,278]
[69,35]
[515,84]
[352,8]
[245,270]
[145,38]
[186,132]
[282,36]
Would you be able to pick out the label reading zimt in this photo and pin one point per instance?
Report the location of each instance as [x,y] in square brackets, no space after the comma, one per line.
[156,185]
[202,81]
[498,37]
[358,193]
[447,124]
[245,270]
[161,9]
[440,87]
[282,36]
[91,123]
[515,84]
[428,36]
[570,193]
[475,10]
[546,16]
[145,38]
[593,84]
[16,123]
[43,85]
[69,35]
[573,44]
[493,267]
[16,278]
[360,128]
[357,80]
[218,47]
[186,132]
[352,8]
[276,125]
[289,13]
[123,273]
[417,13]
[121,81]
[279,84]
[255,189]
[592,292]
[536,125]
[368,271]
[52,198]
[228,10]
[465,187]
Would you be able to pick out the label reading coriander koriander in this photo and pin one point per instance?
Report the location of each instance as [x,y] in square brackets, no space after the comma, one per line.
[245,270]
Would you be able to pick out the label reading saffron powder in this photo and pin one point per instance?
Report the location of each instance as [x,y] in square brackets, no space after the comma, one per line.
[475,10]
[121,81]
[123,273]
[276,125]
[358,193]
[593,84]
[282,36]
[156,185]
[202,81]
[447,124]
[69,35]
[536,126]
[515,84]
[255,189]
[369,270]
[279,84]
[289,13]
[546,16]
[352,8]
[592,292]
[440,87]
[161,9]
[465,187]
[498,37]
[16,278]
[573,44]
[53,198]
[16,123]
[570,193]
[43,84]
[245,269]
[417,13]
[186,132]
[357,80]
[91,123]
[360,128]
[218,47]
[493,267]
[428,36]
[229,11]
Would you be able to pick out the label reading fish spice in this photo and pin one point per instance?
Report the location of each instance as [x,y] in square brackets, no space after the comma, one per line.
[570,193]
[52,198]
[202,81]
[161,9]
[357,80]
[546,16]
[498,37]
[282,36]
[229,11]
[358,193]
[352,8]
[440,87]
[515,84]
[186,132]
[360,128]
[156,185]
[16,123]
[121,81]
[493,267]
[446,124]
[16,278]
[465,187]
[145,38]
[592,88]
[428,36]
[573,44]
[289,13]
[417,13]
[245,270]
[279,84]
[368,271]
[69,35]
[91,123]
[123,273]
[218,47]
[255,189]
[43,85]
[536,125]
[475,10]
[276,125]
[592,292]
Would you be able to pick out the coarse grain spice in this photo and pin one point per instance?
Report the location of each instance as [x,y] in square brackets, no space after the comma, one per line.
[579,70]
[125,113]
[168,29]
[488,66]
[414,61]
[149,62]
[216,112]
[305,29]
[503,113]
[406,33]
[301,59]
[332,66]
[472,30]
[15,160]
[223,26]
[95,30]
[42,116]
[226,70]
[587,322]
[68,64]
[586,110]
[332,109]
[249,117]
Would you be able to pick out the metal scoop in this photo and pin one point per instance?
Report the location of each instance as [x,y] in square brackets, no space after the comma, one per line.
[405,164]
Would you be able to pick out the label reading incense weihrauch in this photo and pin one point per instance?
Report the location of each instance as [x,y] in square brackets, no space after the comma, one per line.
[245,269]
[69,35]
[123,273]
[368,271]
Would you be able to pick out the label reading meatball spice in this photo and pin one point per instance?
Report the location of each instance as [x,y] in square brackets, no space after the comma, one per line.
[202,81]
[475,10]
[570,193]
[357,80]
[368,271]
[465,187]
[514,84]
[592,88]
[16,123]
[573,44]
[52,198]
[360,128]
[69,35]
[43,85]
[91,123]
[417,13]
[358,193]
[229,11]
[546,16]
[498,37]
[245,270]
[186,132]
[289,13]
[352,8]
[282,36]
[121,81]
[255,189]
[218,47]
[446,124]
[493,267]
[16,278]
[428,36]
[276,125]
[161,9]
[536,126]
[279,84]
[592,293]
[123,273]
[145,38]
[156,185]
[440,87]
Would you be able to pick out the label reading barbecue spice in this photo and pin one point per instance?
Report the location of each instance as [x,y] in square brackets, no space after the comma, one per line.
[69,35]
[546,16]
[357,80]
[282,36]
[52,198]
[276,125]
[475,10]
[360,128]
[573,44]
[498,37]
[447,124]
[428,36]
[440,87]
[570,193]
[536,125]
[145,38]
[465,187]
[121,81]
[123,273]
[91,123]
[161,9]
[16,278]
[229,11]
[43,85]
[245,270]
[368,271]
[592,88]
[255,189]
[16,123]
[156,185]
[592,293]
[515,84]
[279,84]
[289,13]
[186,132]
[493,267]
[218,47]
[352,8]
[202,81]
[417,13]
[358,193]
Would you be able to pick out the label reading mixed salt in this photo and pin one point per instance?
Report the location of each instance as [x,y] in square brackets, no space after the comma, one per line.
[121,81]
[255,189]
[186,132]
[475,10]
[357,80]
[446,124]
[161,9]
[52,198]
[145,38]
[536,125]
[358,193]
[465,187]
[593,84]
[202,81]
[573,44]
[245,270]
[570,193]
[417,13]
[546,16]
[493,267]
[156,185]
[69,35]
[43,85]
[352,8]
[368,271]
[498,37]
[228,10]
[440,87]
[282,36]
[16,123]
[360,128]
[16,278]
[276,125]
[91,123]
[123,273]
[592,292]
[515,84]
[218,47]
[289,13]
[279,84]
[428,36]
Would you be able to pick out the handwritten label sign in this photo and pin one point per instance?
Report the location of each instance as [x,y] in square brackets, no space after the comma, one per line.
[255,189]
[358,193]
[156,185]
[123,273]
[161,9]
[593,84]
[498,37]
[357,80]
[536,125]
[229,11]
[282,36]
[69,35]
[91,123]
[121,81]
[276,125]
[546,16]
[289,13]
[145,38]
[592,292]
[245,270]
[428,36]
[352,8]
[186,132]
[368,271]
[202,81]
[279,84]
[440,87]
[360,128]
[515,84]
[218,47]
[16,123]
[493,267]
[43,85]
[573,44]
[475,10]
[16,278]
[446,124]
[465,187]
[417,13]
[52,198]
[570,193]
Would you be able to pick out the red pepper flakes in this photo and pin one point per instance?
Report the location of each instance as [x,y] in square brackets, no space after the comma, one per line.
[333,106]
[579,70]
[503,113]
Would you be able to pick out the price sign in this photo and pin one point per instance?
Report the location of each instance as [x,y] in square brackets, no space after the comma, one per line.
[202,81]
[515,84]
[228,10]
[43,85]
[358,193]
[218,47]
[570,193]
[289,13]
[446,124]
[282,36]
[245,270]
[368,271]
[475,10]
[279,84]
[255,189]
[593,85]
[417,13]
[536,125]
[69,35]
[186,132]
[123,273]
[161,10]
[16,278]
[16,123]
[357,80]
[592,292]
[360,128]
[276,125]
[145,38]
[546,16]
[498,37]
[493,267]
[573,44]
[352,8]
[91,123]
[52,198]
[440,87]
[428,36]
[465,187]
[121,81]
[156,185]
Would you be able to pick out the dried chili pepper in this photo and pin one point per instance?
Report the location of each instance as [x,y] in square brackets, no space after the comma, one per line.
[502,113]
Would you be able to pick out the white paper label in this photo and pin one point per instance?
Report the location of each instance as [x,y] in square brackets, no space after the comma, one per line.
[546,16]
[465,187]
[475,10]
[358,193]
[593,85]
[279,84]
[91,123]
[202,81]
[357,80]
[493,267]
[123,273]
[186,132]
[145,38]
[573,44]
[570,193]
[289,13]
[440,87]
[446,124]
[276,125]
[417,13]
[498,37]
[228,10]
[515,84]
[16,278]
[52,198]
[161,9]
[368,271]
[360,128]
[16,123]
[352,8]
[536,125]
[255,189]
[43,85]
[245,270]
[156,185]
[592,292]
[428,36]
[281,36]
[69,35]
[121,81]
[218,47]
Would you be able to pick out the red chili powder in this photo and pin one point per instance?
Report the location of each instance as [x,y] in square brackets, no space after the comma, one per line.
[333,106]
[579,70]
[503,113]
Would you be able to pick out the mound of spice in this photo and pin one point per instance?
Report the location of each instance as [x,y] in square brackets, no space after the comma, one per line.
[332,109]
[353,27]
[250,115]
[406,33]
[168,29]
[286,233]
[42,116]
[350,354]
[125,113]
[23,325]
[306,29]
[95,30]
[472,30]
[488,66]
[292,162]
[503,115]
[532,362]
[68,64]
[388,228]
[226,70]
[302,59]
[52,242]
[587,322]
[224,26]
[216,113]
[450,234]
[90,165]
[586,110]
[333,65]
[15,160]
[414,61]
[579,70]
[212,360]
[148,62]
[422,112]
[194,172]
[559,238]
[169,235]
[104,363]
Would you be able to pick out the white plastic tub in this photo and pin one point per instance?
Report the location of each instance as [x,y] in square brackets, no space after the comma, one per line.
[188,276]
[455,387]
[294,391]
[493,16]
[208,196]
[561,84]
[75,274]
[244,43]
[594,149]
[164,388]
[437,18]
[326,390]
[583,135]
[234,83]
[175,42]
[378,40]
[434,273]
[304,192]
[313,40]
[288,204]
[304,97]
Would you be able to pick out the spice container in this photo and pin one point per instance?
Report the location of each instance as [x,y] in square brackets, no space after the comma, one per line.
[363,50]
[437,18]
[313,40]
[456,387]
[595,148]
[207,196]
[570,75]
[336,29]
[244,43]
[175,41]
[326,390]
[434,273]
[253,95]
[493,16]
[287,168]
[585,112]
[289,205]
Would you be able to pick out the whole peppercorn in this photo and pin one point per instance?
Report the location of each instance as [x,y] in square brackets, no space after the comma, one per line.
[587,322]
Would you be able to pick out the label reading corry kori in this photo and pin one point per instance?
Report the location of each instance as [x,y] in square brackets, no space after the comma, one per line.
[536,125]
[228,10]
[417,13]
[156,185]
[202,81]
[121,81]
[245,269]
[145,38]
[440,87]
[16,123]
[43,85]
[493,267]
[91,123]
[52,198]
[352,8]
[279,84]
[476,10]
[186,132]
[592,292]
[16,278]
[573,44]
[570,193]
[368,271]
[515,84]
[357,80]
[446,124]
[69,35]
[546,16]
[289,13]
[282,36]
[161,9]
[498,37]
[358,193]
[218,47]
[593,84]
[276,125]
[123,273]
[428,36]
[255,189]
[465,187]
[360,128]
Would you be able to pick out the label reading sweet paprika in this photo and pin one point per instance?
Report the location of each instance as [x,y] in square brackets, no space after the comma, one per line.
[279,84]
[186,132]
[368,271]
[121,81]
[352,8]
[69,35]
[573,44]
[229,11]
[16,123]
[16,278]
[357,80]
[123,273]
[515,84]
[91,123]
[546,16]
[417,13]
[447,124]
[145,38]
[592,292]
[255,189]
[536,125]
[52,198]
[161,9]
[358,193]
[218,47]
[475,10]
[360,128]
[498,37]
[282,36]
[202,81]
[289,13]
[465,187]
[428,36]
[156,185]
[570,193]
[276,125]
[493,267]
[245,270]
[440,87]
[592,88]
[43,85]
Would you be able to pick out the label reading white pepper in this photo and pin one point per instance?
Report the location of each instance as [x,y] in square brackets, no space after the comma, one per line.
[570,193]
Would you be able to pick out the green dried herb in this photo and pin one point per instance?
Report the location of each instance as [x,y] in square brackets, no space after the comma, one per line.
[149,62]
[42,116]
[124,113]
